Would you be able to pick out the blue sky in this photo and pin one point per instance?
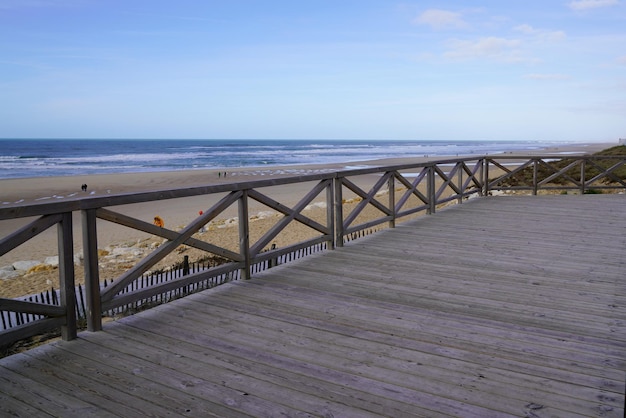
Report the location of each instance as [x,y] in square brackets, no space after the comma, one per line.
[366,69]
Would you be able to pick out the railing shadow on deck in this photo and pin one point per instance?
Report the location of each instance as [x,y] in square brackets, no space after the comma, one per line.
[397,192]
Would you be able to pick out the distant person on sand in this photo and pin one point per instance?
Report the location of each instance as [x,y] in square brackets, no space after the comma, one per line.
[158,221]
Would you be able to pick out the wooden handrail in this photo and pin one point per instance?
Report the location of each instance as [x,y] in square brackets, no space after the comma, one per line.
[410,188]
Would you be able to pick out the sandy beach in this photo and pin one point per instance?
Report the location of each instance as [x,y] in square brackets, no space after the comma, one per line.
[176,212]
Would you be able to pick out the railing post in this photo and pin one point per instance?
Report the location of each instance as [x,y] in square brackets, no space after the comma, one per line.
[535,176]
[272,262]
[485,177]
[186,265]
[66,276]
[583,179]
[391,185]
[459,176]
[430,190]
[244,235]
[338,212]
[330,213]
[92,276]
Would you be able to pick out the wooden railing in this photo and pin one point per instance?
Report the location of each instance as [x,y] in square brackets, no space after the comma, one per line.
[397,192]
[577,173]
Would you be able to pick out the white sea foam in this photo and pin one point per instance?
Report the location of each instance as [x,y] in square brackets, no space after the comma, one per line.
[33,158]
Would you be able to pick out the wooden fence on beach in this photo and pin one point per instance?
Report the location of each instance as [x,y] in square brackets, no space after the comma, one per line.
[398,192]
[51,296]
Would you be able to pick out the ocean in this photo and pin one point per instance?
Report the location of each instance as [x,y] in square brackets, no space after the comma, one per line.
[21,158]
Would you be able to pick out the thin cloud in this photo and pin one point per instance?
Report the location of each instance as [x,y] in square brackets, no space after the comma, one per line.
[548,77]
[173,17]
[441,19]
[580,5]
[622,60]
[499,49]
[541,34]
[527,29]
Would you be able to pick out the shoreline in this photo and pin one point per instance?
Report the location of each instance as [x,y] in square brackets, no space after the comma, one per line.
[21,191]
[178,212]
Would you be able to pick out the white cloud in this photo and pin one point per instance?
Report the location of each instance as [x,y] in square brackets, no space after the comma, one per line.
[541,34]
[591,4]
[499,49]
[441,19]
[527,29]
[547,76]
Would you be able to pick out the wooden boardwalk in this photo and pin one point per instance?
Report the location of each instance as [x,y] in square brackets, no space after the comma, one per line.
[506,306]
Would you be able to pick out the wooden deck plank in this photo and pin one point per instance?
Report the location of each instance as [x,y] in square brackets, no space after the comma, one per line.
[231,364]
[389,395]
[22,396]
[52,368]
[365,360]
[538,293]
[12,407]
[430,344]
[182,390]
[470,307]
[438,327]
[370,352]
[512,306]
[472,293]
[442,324]
[256,365]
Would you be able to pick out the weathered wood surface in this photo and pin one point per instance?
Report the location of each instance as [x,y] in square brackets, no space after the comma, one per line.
[504,306]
